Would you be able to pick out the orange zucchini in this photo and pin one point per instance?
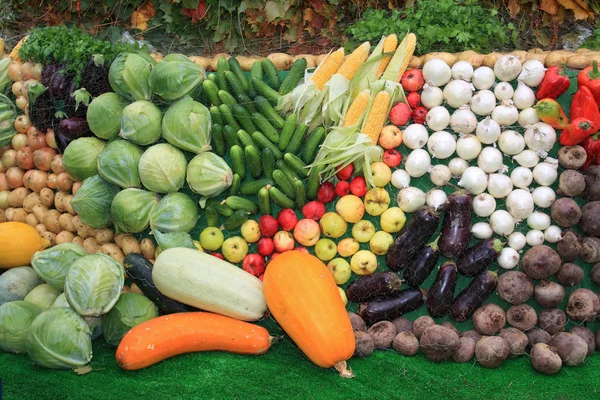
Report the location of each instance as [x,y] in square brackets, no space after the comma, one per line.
[18,243]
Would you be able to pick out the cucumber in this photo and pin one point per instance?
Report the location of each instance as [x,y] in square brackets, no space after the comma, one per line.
[230,136]
[220,208]
[225,111]
[238,164]
[289,172]
[212,216]
[282,181]
[216,116]
[222,66]
[271,73]
[246,102]
[212,77]
[314,180]
[256,71]
[234,66]
[244,118]
[300,191]
[287,131]
[245,139]
[279,198]
[264,201]
[294,75]
[236,183]
[253,187]
[234,83]
[309,152]
[297,139]
[227,98]
[218,139]
[265,90]
[236,220]
[265,127]
[268,162]
[212,91]
[253,158]
[240,203]
[263,142]
[267,110]
[296,164]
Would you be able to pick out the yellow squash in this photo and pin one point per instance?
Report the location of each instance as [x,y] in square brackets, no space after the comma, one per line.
[18,243]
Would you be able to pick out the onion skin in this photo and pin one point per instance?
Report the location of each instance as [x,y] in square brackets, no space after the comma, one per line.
[25,158]
[42,158]
[14,177]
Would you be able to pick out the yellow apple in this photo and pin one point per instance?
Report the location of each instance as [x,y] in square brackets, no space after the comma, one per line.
[325,249]
[382,174]
[347,247]
[332,225]
[351,208]
[390,137]
[381,242]
[363,231]
[343,295]
[234,249]
[363,262]
[211,238]
[377,200]
[392,220]
[250,231]
[340,269]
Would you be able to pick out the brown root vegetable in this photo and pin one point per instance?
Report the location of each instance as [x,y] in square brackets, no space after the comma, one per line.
[545,359]
[595,274]
[67,204]
[403,324]
[64,237]
[66,222]
[571,183]
[583,305]
[548,294]
[522,317]
[565,212]
[569,247]
[415,62]
[537,335]
[491,351]
[112,250]
[572,157]
[578,61]
[17,197]
[215,60]
[51,221]
[50,236]
[465,351]
[490,59]
[30,220]
[78,240]
[85,231]
[364,344]
[587,335]
[450,325]
[310,60]
[40,228]
[438,343]
[517,341]
[571,348]
[556,58]
[422,323]
[552,320]
[91,246]
[383,334]
[448,58]
[130,244]
[515,287]
[40,211]
[105,235]
[30,201]
[489,319]
[590,250]
[47,197]
[590,218]
[473,334]
[147,247]
[119,239]
[17,215]
[540,262]
[522,54]
[472,57]
[592,183]
[282,61]
[569,275]
[406,343]
[358,324]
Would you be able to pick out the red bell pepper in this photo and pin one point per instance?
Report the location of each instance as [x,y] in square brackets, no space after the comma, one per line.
[555,83]
[576,132]
[550,112]
[590,77]
[583,105]
[592,148]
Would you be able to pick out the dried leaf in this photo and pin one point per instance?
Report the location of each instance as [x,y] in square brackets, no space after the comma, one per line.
[578,11]
[83,370]
[141,16]
[514,7]
[549,6]
[582,4]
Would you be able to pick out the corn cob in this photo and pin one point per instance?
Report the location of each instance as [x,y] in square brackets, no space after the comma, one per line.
[327,68]
[401,59]
[377,116]
[354,61]
[389,45]
[357,108]
[14,54]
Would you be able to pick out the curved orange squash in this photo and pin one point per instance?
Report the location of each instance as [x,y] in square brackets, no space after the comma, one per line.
[170,335]
[18,243]
[304,299]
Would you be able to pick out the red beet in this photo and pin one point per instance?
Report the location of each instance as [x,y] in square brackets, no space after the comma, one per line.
[268,226]
[326,193]
[342,188]
[418,115]
[358,186]
[265,246]
[313,210]
[392,158]
[287,219]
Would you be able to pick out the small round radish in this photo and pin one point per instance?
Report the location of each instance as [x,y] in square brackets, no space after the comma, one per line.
[414,99]
[326,193]
[400,114]
[358,186]
[392,158]
[345,173]
[412,80]
[287,219]
[313,210]
[419,114]
[268,225]
[342,188]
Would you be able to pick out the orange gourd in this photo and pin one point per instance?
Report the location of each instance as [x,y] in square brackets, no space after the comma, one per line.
[170,335]
[18,243]
[303,298]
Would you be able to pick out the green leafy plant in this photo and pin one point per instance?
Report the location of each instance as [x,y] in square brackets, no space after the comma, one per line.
[592,42]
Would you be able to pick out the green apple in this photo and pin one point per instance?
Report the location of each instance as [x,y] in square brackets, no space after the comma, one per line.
[325,249]
[250,231]
[235,249]
[351,208]
[382,174]
[363,231]
[347,247]
[340,269]
[363,262]
[377,200]
[332,225]
[211,238]
[380,243]
[392,220]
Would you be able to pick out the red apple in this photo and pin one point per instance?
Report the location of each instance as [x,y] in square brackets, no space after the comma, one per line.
[307,232]
[261,277]
[392,158]
[400,114]
[414,99]
[268,225]
[412,80]
[418,115]
[284,241]
[287,219]
[302,249]
[390,137]
[313,210]
[218,255]
[254,264]
[358,186]
[342,188]
[345,173]
[326,193]
[273,256]
[266,247]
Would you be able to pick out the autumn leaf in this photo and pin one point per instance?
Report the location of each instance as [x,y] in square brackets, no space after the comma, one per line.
[514,7]
[578,11]
[549,6]
[141,16]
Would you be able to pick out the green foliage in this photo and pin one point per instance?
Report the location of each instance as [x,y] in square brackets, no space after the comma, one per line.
[592,42]
[444,25]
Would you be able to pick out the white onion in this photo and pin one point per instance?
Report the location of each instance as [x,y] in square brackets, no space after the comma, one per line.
[468,147]
[517,241]
[484,205]
[457,166]
[521,177]
[415,136]
[417,163]
[438,118]
[440,175]
[505,114]
[543,196]
[538,220]
[504,91]
[436,198]
[410,199]
[458,93]
[441,145]
[533,73]
[483,78]
[488,131]
[519,204]
[483,102]
[535,237]
[527,158]
[540,137]
[499,185]
[511,142]
[490,159]
[400,179]
[474,180]
[437,72]
[528,117]
[508,258]
[502,223]
[507,67]
[462,70]
[463,120]
[523,97]
[553,234]
[545,173]
[482,230]
[432,96]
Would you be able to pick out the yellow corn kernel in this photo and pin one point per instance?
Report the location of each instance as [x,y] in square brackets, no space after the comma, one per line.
[377,116]
[389,45]
[357,108]
[410,43]
[354,61]
[327,68]
[401,59]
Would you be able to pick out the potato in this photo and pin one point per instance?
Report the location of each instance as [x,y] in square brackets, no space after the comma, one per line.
[364,344]
[310,60]
[130,244]
[515,287]
[569,247]
[147,247]
[521,54]
[422,323]
[540,262]
[403,324]
[438,343]
[50,236]
[319,59]
[91,246]
[78,240]
[40,212]
[383,334]
[358,324]
[282,61]
[578,61]
[587,335]
[465,351]
[83,230]
[204,62]
[406,343]
[592,183]
[40,228]
[119,239]
[490,59]
[590,218]
[67,204]
[473,334]
[30,201]
[516,340]
[17,215]
[448,58]
[565,212]
[472,57]
[545,359]
[51,221]
[552,320]
[583,305]
[489,319]
[66,222]
[570,274]
[537,335]
[31,220]
[556,58]
[572,157]
[17,197]
[541,57]
[114,251]
[215,60]
[2,215]
[491,351]
[522,317]
[64,237]
[104,236]
[59,198]
[571,348]
[415,62]
[246,62]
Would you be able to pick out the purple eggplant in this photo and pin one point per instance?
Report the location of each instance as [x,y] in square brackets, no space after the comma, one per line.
[70,129]
[441,293]
[476,259]
[379,285]
[412,238]
[456,228]
[47,73]
[60,84]
[379,310]
[421,265]
[470,299]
